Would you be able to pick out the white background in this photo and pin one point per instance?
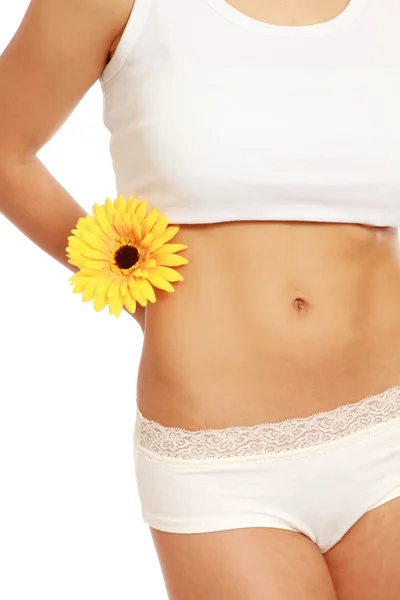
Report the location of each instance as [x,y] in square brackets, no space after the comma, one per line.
[70,520]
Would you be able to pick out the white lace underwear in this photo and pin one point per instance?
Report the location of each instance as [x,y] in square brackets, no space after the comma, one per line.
[319,428]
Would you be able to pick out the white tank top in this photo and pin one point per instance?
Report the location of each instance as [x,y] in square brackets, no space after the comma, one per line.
[215,116]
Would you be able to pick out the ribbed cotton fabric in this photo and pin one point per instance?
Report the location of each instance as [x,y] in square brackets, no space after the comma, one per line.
[215,116]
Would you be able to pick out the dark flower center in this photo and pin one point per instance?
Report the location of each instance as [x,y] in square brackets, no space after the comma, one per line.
[126,257]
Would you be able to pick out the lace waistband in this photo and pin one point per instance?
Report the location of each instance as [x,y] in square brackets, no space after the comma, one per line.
[266,438]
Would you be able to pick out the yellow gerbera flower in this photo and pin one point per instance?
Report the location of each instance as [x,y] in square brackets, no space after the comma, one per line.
[121,253]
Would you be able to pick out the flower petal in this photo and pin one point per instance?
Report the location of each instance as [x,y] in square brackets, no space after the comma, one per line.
[119,224]
[149,263]
[168,249]
[109,210]
[124,286]
[92,282]
[146,241]
[99,302]
[103,285]
[142,301]
[94,228]
[131,206]
[95,242]
[95,273]
[114,286]
[101,217]
[166,236]
[96,265]
[172,260]
[141,211]
[149,221]
[160,226]
[87,294]
[116,305]
[170,232]
[167,273]
[91,253]
[77,261]
[75,242]
[136,229]
[129,302]
[136,292]
[159,282]
[146,289]
[81,223]
[127,222]
[155,245]
[78,287]
[120,205]
[77,278]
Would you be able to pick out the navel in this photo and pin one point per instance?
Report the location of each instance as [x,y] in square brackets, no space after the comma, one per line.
[301,305]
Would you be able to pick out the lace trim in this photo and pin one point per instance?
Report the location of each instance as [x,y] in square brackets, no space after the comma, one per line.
[264,438]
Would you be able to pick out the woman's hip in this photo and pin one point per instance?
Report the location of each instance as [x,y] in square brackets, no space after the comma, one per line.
[316,475]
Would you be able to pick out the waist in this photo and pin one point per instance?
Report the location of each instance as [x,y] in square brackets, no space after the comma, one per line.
[271,306]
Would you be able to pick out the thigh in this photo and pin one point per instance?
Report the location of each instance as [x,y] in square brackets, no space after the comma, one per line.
[243,564]
[366,562]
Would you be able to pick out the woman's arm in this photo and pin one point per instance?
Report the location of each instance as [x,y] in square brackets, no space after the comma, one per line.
[58,52]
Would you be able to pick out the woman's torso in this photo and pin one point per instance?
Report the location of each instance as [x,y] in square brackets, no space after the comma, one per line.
[274,319]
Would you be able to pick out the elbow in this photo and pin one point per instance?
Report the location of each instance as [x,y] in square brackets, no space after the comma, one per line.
[11,160]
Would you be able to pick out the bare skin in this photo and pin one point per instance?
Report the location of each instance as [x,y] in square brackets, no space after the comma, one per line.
[365,563]
[274,319]
[243,564]
[260,356]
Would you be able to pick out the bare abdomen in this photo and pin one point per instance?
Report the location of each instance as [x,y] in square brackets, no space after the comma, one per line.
[273,321]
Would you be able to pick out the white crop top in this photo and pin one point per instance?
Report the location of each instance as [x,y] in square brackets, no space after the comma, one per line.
[215,116]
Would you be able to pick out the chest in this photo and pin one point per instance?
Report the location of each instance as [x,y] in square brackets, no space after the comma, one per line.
[219,119]
[290,12]
[216,97]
